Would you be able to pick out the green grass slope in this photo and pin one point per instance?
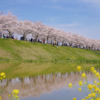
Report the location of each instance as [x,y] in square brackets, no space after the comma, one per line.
[24,50]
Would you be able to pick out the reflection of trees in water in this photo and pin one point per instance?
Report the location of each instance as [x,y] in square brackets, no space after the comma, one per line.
[35,86]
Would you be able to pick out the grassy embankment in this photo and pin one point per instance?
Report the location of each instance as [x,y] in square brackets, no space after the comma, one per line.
[13,53]
[23,50]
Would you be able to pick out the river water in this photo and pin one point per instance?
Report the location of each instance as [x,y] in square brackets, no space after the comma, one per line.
[45,87]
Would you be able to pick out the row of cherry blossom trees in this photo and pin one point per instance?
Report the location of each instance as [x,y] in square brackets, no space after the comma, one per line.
[9,24]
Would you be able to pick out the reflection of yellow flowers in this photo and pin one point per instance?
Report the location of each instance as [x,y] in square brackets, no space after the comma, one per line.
[70,85]
[74,98]
[79,68]
[0,97]
[80,83]
[83,75]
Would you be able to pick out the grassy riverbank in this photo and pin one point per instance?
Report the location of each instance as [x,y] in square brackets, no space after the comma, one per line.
[23,50]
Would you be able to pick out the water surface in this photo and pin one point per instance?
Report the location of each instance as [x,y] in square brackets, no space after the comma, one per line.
[45,87]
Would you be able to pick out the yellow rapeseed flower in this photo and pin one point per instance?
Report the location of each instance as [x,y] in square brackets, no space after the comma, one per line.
[79,68]
[89,86]
[85,83]
[83,75]
[96,89]
[80,89]
[94,71]
[86,97]
[99,91]
[15,92]
[70,85]
[92,68]
[97,74]
[80,83]
[89,95]
[9,95]
[95,82]
[2,74]
[97,98]
[94,86]
[1,78]
[0,97]
[83,99]
[16,96]
[99,78]
[93,95]
[92,91]
[98,83]
[74,98]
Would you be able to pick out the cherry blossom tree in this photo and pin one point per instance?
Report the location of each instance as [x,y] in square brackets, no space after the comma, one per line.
[63,37]
[49,32]
[8,23]
[24,28]
[98,44]
[1,13]
[38,30]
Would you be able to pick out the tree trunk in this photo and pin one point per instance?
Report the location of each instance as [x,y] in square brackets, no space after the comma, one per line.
[36,38]
[24,36]
[55,38]
[47,39]
[62,43]
[10,34]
